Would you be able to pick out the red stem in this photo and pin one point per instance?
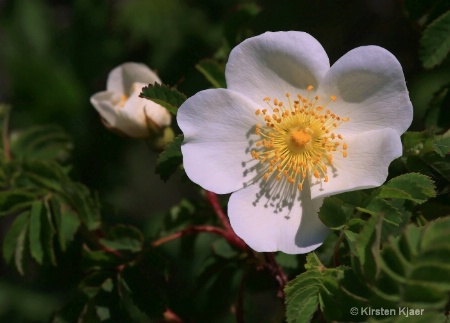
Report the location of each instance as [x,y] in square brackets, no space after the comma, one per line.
[230,235]
[190,230]
[214,201]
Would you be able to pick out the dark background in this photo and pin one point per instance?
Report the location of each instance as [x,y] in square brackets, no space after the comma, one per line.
[55,54]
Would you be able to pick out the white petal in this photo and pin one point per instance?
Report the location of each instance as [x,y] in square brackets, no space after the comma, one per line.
[153,111]
[271,64]
[157,114]
[366,165]
[121,78]
[267,223]
[218,127]
[131,117]
[370,89]
[105,102]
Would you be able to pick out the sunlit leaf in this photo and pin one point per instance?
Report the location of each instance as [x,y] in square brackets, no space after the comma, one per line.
[164,95]
[412,186]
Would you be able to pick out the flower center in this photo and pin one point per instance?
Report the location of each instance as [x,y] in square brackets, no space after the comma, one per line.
[123,100]
[298,140]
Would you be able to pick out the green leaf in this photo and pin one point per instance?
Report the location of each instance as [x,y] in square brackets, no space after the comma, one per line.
[15,200]
[332,214]
[48,235]
[45,174]
[213,71]
[439,164]
[123,237]
[441,145]
[67,222]
[318,285]
[367,247]
[82,202]
[412,186]
[437,116]
[414,143]
[418,263]
[170,159]
[42,143]
[223,249]
[164,95]
[36,250]
[287,261]
[383,207]
[435,41]
[14,242]
[302,296]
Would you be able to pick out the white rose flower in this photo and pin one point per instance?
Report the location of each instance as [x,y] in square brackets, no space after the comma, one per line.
[123,110]
[290,130]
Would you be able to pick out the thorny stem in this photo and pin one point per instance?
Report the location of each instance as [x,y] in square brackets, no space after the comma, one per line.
[336,249]
[187,231]
[214,201]
[277,272]
[230,235]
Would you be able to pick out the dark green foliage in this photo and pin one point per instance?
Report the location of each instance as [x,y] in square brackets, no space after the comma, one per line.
[435,41]
[213,71]
[170,159]
[70,254]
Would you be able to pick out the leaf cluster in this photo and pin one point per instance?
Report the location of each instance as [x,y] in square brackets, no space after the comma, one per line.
[384,257]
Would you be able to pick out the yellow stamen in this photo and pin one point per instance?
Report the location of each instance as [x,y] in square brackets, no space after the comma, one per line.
[298,139]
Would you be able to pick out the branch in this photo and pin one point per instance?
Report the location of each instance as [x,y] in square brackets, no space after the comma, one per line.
[190,230]
[230,235]
[277,272]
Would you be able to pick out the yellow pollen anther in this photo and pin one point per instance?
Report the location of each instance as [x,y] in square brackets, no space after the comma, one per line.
[333,98]
[297,140]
